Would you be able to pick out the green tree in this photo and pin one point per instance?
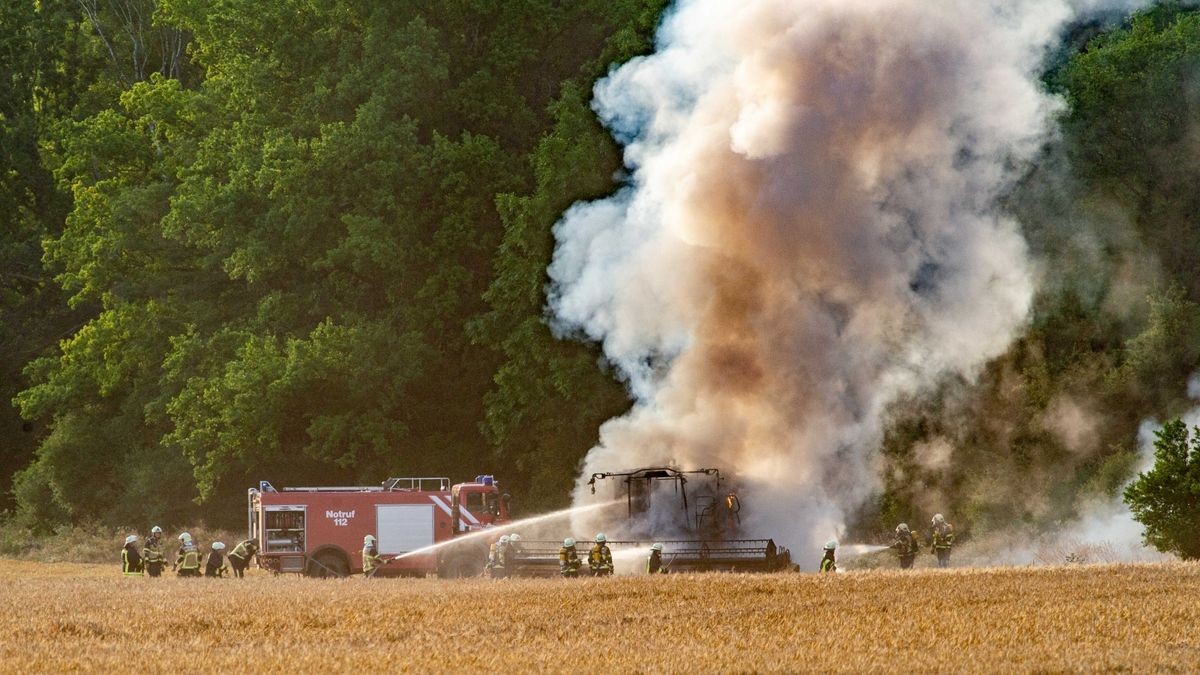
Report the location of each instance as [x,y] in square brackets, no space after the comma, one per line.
[1166,499]
[287,243]
[550,396]
[44,68]
[1133,105]
[1157,362]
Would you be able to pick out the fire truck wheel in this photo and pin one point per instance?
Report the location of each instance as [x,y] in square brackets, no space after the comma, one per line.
[328,564]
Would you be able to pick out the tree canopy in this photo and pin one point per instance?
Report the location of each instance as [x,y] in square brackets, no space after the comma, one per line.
[306,242]
[1166,499]
[279,233]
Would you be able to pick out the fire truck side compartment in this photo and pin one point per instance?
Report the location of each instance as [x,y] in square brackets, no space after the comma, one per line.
[403,528]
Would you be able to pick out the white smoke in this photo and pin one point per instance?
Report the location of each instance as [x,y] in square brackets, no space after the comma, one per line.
[809,231]
[1107,525]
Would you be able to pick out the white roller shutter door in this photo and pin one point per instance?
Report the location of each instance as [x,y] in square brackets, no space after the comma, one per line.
[403,527]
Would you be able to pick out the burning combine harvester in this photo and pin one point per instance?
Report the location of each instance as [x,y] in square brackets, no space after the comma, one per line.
[703,523]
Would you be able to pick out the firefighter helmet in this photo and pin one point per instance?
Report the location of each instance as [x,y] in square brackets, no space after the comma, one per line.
[600,538]
[656,547]
[938,519]
[902,527]
[515,538]
[504,539]
[185,537]
[218,546]
[568,542]
[156,530]
[369,539]
[831,545]
[130,539]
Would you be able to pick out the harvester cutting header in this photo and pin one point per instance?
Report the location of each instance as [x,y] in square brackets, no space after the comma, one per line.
[694,513]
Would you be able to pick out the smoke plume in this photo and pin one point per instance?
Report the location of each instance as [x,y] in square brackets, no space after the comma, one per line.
[809,230]
[1105,531]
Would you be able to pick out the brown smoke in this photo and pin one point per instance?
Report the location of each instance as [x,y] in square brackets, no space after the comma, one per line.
[810,231]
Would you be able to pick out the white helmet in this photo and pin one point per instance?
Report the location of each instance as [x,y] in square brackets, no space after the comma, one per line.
[831,545]
[902,527]
[369,539]
[600,538]
[515,538]
[218,546]
[156,530]
[656,547]
[184,536]
[938,519]
[504,539]
[568,542]
[130,539]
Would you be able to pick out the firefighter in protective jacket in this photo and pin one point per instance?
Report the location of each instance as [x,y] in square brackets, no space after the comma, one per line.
[372,561]
[905,545]
[216,561]
[942,540]
[568,559]
[187,561]
[600,561]
[829,561]
[654,563]
[497,564]
[131,560]
[152,554]
[239,557]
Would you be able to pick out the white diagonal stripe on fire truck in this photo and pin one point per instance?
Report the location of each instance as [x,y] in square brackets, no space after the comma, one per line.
[440,504]
[462,524]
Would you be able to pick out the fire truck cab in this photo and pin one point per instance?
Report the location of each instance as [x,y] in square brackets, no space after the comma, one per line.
[319,531]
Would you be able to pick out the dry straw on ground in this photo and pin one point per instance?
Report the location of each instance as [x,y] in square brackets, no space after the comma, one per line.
[1081,618]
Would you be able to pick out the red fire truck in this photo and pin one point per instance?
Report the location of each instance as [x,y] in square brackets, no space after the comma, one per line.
[319,530]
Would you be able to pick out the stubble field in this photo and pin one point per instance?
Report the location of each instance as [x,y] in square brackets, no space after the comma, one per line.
[64,617]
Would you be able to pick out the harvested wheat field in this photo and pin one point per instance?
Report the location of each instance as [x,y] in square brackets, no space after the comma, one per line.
[1125,617]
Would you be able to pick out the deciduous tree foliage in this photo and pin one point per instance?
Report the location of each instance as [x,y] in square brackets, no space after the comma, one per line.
[1166,499]
[286,242]
[306,241]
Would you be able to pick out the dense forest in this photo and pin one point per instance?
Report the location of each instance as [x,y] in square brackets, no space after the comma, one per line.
[306,241]
[296,241]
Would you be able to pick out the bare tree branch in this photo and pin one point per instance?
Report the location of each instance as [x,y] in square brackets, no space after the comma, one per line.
[91,9]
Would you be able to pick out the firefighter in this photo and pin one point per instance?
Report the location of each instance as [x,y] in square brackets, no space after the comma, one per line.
[498,558]
[131,560]
[733,507]
[942,540]
[187,561]
[829,562]
[654,564]
[493,554]
[568,559]
[905,545]
[239,557]
[511,550]
[372,561]
[153,559]
[600,561]
[216,561]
